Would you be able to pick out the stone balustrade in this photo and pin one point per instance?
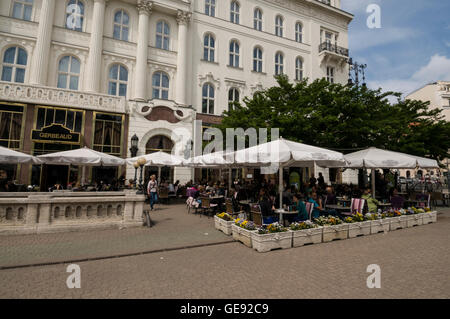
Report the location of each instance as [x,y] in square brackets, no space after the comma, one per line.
[28,213]
[24,93]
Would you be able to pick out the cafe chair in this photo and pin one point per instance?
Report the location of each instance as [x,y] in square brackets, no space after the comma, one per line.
[206,206]
[229,208]
[357,205]
[309,209]
[191,203]
[164,194]
[255,211]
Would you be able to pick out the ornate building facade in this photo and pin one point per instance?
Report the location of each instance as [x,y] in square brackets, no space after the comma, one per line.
[104,71]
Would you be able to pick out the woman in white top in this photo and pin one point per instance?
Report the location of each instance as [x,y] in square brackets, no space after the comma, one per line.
[152,190]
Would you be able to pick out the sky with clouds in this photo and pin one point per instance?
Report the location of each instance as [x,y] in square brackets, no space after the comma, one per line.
[412,47]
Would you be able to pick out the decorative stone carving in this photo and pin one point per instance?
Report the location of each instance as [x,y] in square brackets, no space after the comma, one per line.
[256,87]
[163,112]
[24,93]
[145,7]
[209,77]
[183,17]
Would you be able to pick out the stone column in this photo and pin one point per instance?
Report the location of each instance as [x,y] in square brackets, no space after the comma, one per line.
[94,65]
[145,9]
[40,59]
[183,19]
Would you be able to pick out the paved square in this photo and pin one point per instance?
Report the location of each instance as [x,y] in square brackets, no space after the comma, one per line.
[414,264]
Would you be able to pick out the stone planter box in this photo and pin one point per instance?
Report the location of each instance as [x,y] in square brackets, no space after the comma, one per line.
[380,226]
[223,225]
[414,220]
[307,236]
[395,223]
[266,242]
[429,217]
[336,232]
[242,235]
[359,229]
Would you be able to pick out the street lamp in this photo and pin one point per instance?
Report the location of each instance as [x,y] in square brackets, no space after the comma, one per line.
[141,163]
[134,145]
[136,166]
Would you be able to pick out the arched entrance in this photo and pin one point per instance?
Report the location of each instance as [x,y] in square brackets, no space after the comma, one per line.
[159,143]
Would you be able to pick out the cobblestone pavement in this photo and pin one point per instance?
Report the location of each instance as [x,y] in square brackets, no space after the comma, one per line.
[414,264]
[173,228]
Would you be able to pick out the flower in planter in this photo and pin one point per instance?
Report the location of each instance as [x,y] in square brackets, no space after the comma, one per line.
[225,217]
[370,216]
[427,209]
[358,217]
[328,221]
[421,211]
[303,225]
[349,220]
[272,228]
[245,224]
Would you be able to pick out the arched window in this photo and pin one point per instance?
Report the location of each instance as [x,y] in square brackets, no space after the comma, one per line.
[257,59]
[22,9]
[75,15]
[14,64]
[298,32]
[162,35]
[159,143]
[279,26]
[234,54]
[160,85]
[118,80]
[299,69]
[208,98]
[209,47]
[233,97]
[279,63]
[234,12]
[121,25]
[257,19]
[210,7]
[68,73]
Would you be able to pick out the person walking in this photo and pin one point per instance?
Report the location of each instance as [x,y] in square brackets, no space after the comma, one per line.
[152,191]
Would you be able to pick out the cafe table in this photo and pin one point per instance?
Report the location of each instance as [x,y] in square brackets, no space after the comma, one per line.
[417,202]
[338,207]
[384,205]
[282,212]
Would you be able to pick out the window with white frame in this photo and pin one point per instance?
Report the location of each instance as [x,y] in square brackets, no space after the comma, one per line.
[235,11]
[234,54]
[299,69]
[14,65]
[22,9]
[208,98]
[162,35]
[209,47]
[298,32]
[118,80]
[279,26]
[233,97]
[121,25]
[279,63]
[210,7]
[257,59]
[330,74]
[257,19]
[68,73]
[75,15]
[160,86]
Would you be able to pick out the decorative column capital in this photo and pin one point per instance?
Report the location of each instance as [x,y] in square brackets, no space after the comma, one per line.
[183,17]
[145,7]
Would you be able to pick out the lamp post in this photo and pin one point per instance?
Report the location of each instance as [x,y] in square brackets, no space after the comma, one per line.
[136,166]
[357,69]
[134,145]
[141,162]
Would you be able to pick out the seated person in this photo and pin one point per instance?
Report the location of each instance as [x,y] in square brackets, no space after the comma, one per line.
[330,196]
[317,202]
[300,207]
[372,203]
[396,200]
[266,208]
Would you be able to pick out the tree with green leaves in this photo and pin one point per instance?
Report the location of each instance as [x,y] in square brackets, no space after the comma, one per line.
[344,118]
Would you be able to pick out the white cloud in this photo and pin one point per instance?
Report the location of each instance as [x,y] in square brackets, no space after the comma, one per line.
[437,69]
[367,38]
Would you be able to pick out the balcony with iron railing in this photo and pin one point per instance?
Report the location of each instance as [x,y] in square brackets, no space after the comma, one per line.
[329,47]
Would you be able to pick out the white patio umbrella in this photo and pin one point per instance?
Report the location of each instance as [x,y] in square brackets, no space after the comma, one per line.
[288,154]
[375,158]
[159,159]
[83,157]
[9,156]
